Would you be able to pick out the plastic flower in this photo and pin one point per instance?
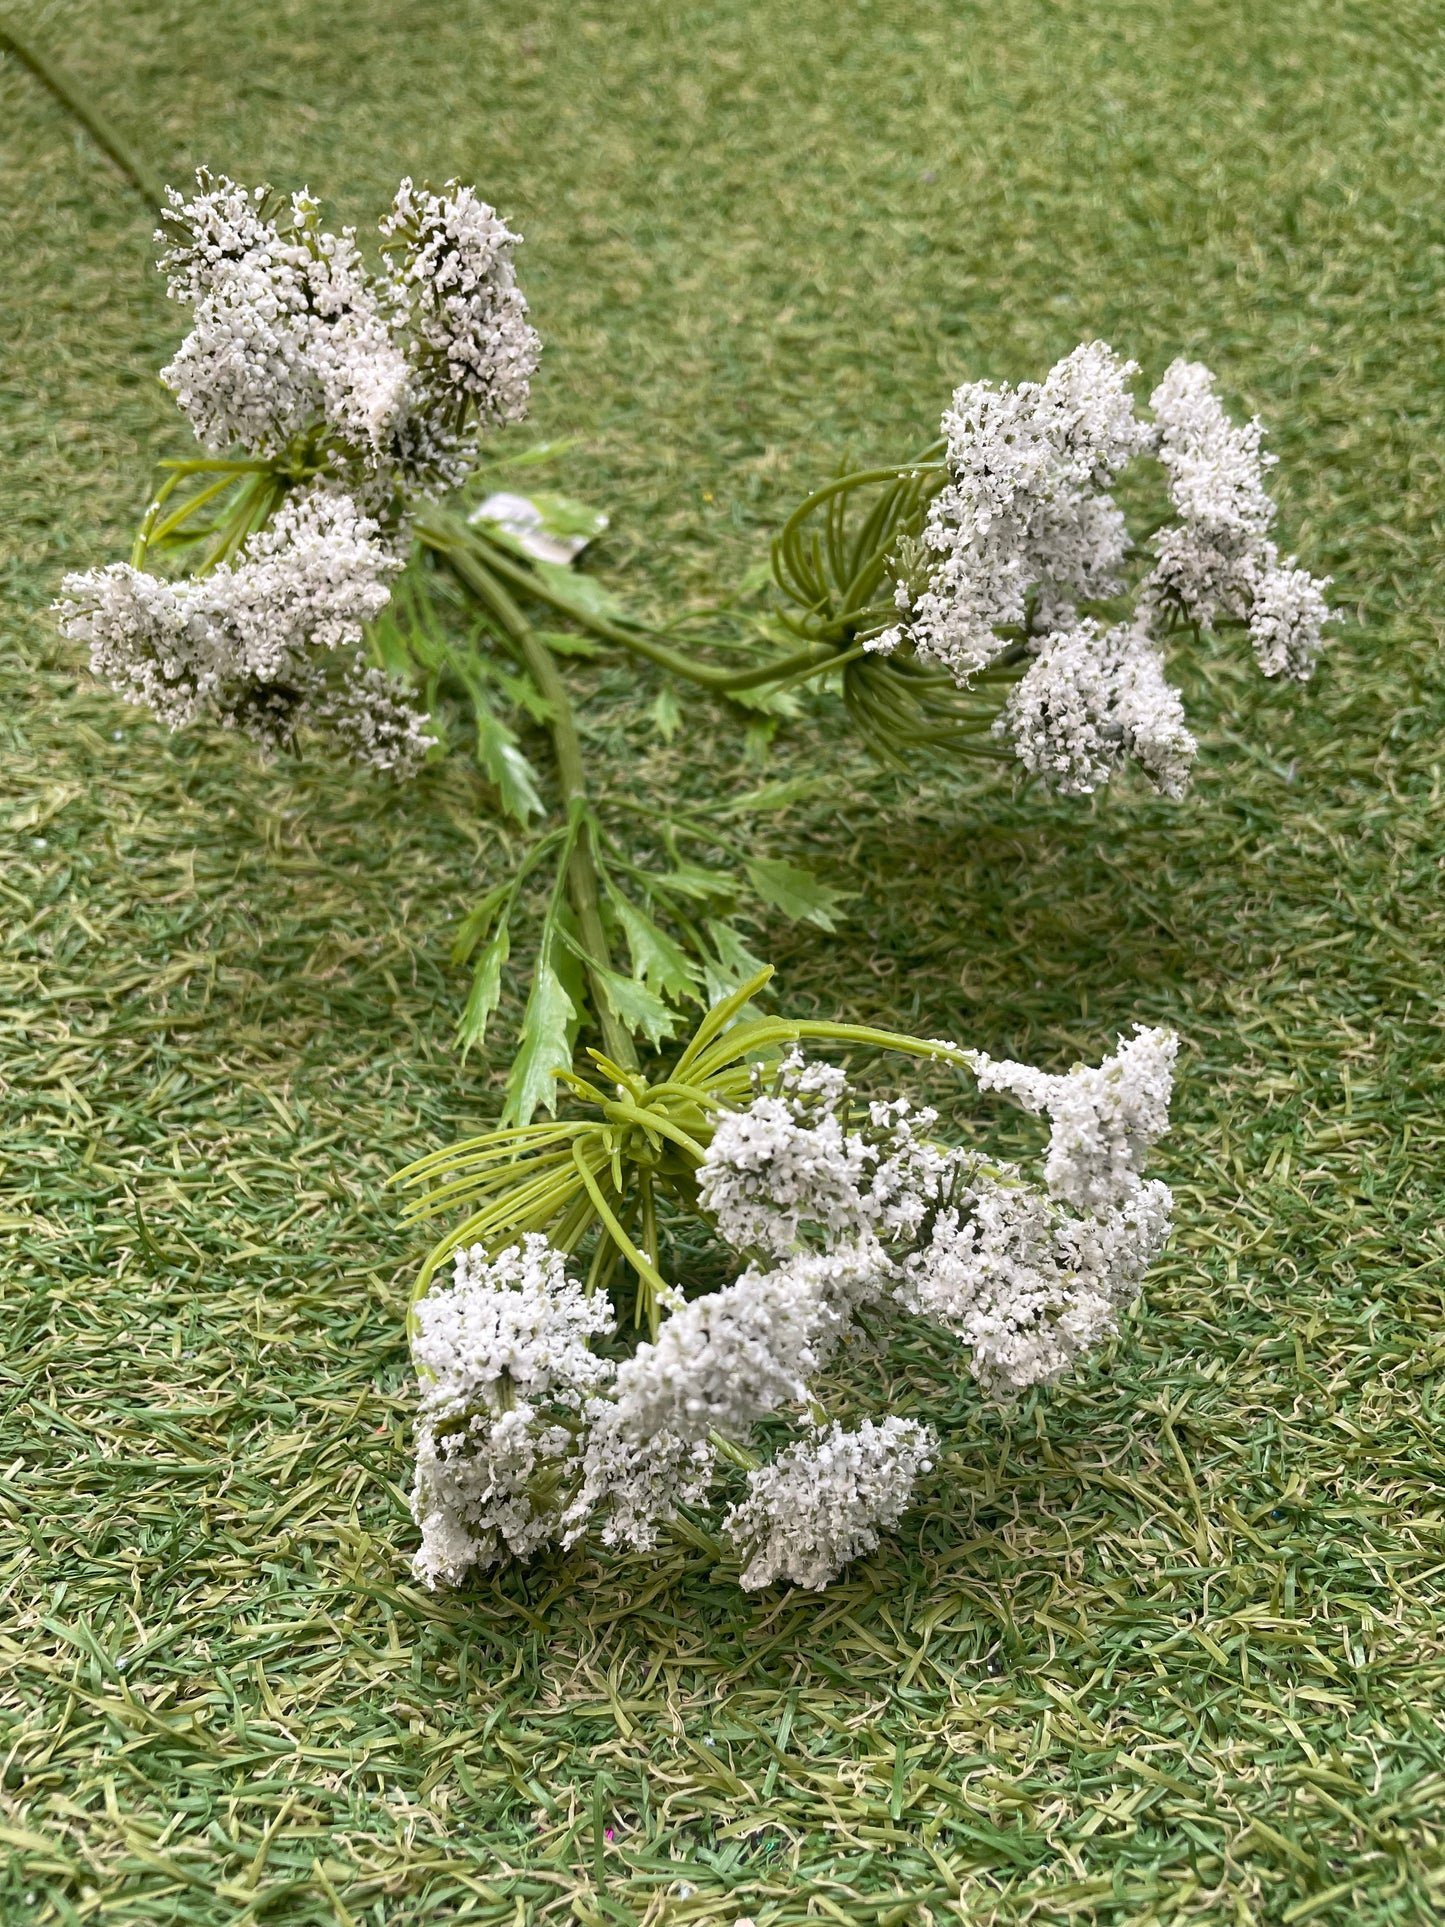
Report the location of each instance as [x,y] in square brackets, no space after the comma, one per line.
[845,1213]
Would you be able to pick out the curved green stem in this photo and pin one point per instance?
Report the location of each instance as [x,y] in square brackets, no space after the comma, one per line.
[453,539]
[567,748]
[804,662]
[94,123]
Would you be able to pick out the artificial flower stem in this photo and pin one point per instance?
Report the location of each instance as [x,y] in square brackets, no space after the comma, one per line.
[541,666]
[803,662]
[734,1453]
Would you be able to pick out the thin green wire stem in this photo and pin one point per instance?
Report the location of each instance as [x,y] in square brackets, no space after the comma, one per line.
[91,119]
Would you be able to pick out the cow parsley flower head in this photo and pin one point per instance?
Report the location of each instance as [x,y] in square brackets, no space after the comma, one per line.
[1025,1286]
[267,644]
[786,1166]
[726,1360]
[770,1168]
[307,582]
[1025,529]
[365,384]
[152,641]
[1216,467]
[1218,559]
[1287,616]
[721,1362]
[467,314]
[1091,698]
[826,1500]
[289,330]
[1105,1119]
[505,1372]
[528,1439]
[635,1483]
[296,344]
[1026,507]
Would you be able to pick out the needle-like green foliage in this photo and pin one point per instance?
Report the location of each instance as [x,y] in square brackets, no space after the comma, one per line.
[1161,1645]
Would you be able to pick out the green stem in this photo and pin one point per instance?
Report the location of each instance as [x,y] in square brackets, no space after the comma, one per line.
[804,662]
[71,98]
[734,1453]
[452,538]
[567,748]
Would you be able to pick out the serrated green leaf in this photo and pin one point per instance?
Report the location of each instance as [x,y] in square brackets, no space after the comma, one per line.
[525,694]
[504,763]
[794,891]
[485,994]
[767,702]
[733,953]
[566,642]
[543,1050]
[666,714]
[584,593]
[734,966]
[634,1005]
[476,923]
[692,880]
[657,960]
[758,738]
[777,796]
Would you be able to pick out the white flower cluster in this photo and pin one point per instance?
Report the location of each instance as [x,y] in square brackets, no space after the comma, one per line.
[250,644]
[1027,1287]
[466,314]
[1026,528]
[837,1219]
[505,1373]
[822,1503]
[367,391]
[1218,559]
[1105,1119]
[1027,508]
[789,1164]
[294,339]
[1089,699]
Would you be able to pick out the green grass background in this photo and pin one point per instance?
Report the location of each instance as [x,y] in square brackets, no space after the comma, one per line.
[1162,1644]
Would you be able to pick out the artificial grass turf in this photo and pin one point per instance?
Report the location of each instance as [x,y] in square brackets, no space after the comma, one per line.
[1161,1644]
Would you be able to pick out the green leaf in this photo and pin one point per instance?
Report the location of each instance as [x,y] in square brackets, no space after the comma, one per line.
[542,1051]
[758,738]
[504,763]
[657,960]
[529,457]
[734,966]
[567,642]
[732,952]
[767,702]
[794,891]
[777,796]
[476,923]
[692,880]
[584,593]
[571,962]
[666,714]
[486,993]
[525,694]
[633,1004]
